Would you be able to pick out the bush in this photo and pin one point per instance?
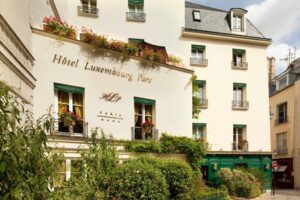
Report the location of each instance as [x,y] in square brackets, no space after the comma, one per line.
[143,147]
[239,183]
[137,180]
[211,194]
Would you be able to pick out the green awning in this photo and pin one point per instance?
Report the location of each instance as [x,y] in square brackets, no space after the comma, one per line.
[68,88]
[239,126]
[136,2]
[144,101]
[239,51]
[136,40]
[239,85]
[200,125]
[200,82]
[198,47]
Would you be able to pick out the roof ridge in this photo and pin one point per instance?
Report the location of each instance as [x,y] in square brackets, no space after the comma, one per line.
[195,5]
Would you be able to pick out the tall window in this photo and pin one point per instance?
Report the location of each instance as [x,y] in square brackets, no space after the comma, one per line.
[281,144]
[237,23]
[238,58]
[239,95]
[136,11]
[282,113]
[199,131]
[88,7]
[201,93]
[239,137]
[198,55]
[143,118]
[70,108]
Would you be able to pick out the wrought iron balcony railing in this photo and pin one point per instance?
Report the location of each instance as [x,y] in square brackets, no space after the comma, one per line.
[78,130]
[240,146]
[281,152]
[136,16]
[87,10]
[281,120]
[203,103]
[198,61]
[138,133]
[239,65]
[240,105]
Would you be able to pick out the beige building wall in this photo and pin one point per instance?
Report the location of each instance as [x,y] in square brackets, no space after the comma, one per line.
[297,135]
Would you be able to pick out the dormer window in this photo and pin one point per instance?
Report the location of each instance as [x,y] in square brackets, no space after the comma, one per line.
[196,15]
[237,20]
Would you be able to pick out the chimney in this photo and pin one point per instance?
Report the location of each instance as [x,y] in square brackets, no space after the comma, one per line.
[271,68]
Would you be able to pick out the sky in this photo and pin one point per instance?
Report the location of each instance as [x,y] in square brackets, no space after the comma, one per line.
[276,19]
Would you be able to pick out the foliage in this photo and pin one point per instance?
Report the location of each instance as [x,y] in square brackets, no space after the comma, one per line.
[54,25]
[196,99]
[138,180]
[151,57]
[262,177]
[174,59]
[211,194]
[26,164]
[69,118]
[171,144]
[239,183]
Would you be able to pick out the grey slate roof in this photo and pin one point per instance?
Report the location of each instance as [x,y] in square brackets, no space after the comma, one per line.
[214,20]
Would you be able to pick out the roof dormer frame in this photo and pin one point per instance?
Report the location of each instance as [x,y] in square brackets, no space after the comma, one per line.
[238,21]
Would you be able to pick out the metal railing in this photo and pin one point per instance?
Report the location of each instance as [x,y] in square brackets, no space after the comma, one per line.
[198,61]
[281,120]
[136,16]
[239,65]
[237,104]
[203,102]
[240,146]
[79,130]
[138,133]
[88,10]
[281,152]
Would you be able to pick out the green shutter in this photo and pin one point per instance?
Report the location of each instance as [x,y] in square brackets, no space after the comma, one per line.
[239,126]
[68,88]
[239,85]
[144,101]
[136,40]
[239,51]
[136,2]
[198,47]
[200,125]
[200,82]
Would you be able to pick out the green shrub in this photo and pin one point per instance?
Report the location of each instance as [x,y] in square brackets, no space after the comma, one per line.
[143,147]
[137,180]
[211,194]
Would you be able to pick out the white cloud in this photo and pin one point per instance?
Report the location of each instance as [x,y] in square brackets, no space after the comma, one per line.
[280,51]
[276,19]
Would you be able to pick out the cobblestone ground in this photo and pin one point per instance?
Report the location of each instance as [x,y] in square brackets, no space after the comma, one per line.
[281,195]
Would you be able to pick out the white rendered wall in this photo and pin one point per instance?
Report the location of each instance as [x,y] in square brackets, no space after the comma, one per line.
[170,88]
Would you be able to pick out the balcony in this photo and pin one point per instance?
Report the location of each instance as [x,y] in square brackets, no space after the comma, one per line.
[239,65]
[240,105]
[240,146]
[281,152]
[136,16]
[138,133]
[86,10]
[203,103]
[79,130]
[281,120]
[198,62]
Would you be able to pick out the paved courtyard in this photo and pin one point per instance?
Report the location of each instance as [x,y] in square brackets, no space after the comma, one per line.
[281,195]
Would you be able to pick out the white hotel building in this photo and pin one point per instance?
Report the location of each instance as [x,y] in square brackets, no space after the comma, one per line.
[223,48]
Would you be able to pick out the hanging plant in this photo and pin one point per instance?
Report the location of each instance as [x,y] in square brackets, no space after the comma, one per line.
[195,96]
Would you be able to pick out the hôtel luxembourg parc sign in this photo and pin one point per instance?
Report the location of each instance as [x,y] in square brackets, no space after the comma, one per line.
[63,60]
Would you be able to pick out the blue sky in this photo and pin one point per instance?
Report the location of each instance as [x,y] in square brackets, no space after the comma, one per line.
[276,19]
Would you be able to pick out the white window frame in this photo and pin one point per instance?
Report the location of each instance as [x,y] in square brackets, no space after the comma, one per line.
[143,115]
[237,136]
[197,53]
[200,131]
[136,8]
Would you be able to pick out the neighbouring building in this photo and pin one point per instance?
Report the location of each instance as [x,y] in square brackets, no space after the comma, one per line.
[285,126]
[223,48]
[16,60]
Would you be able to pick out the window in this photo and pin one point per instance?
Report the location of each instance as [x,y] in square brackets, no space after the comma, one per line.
[196,15]
[201,93]
[239,96]
[70,108]
[282,144]
[144,119]
[198,55]
[238,59]
[282,113]
[136,11]
[237,23]
[88,7]
[199,130]
[239,137]
[282,82]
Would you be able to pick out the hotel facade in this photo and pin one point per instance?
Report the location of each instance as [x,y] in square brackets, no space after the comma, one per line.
[222,48]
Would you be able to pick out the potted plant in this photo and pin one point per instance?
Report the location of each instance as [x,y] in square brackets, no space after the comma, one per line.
[147,129]
[53,25]
[69,119]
